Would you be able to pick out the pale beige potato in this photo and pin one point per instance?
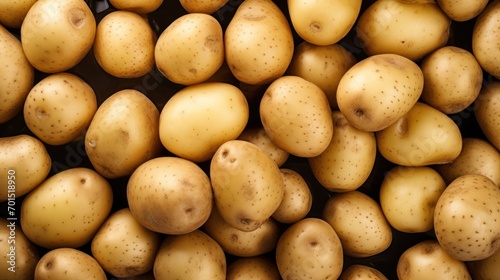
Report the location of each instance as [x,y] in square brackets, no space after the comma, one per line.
[242,243]
[123,247]
[59,108]
[247,184]
[348,160]
[199,118]
[68,263]
[123,134]
[57,34]
[67,209]
[145,276]
[14,11]
[467,218]
[193,255]
[26,163]
[19,256]
[124,44]
[361,272]
[322,65]
[452,79]
[462,10]
[170,195]
[309,249]
[259,137]
[486,112]
[428,260]
[412,29]
[298,199]
[17,75]
[202,6]
[408,197]
[252,57]
[323,22]
[137,6]
[258,268]
[486,38]
[379,90]
[296,115]
[485,269]
[359,222]
[478,156]
[423,136]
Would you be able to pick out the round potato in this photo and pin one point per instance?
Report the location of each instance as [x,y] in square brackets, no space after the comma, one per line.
[59,108]
[361,272]
[462,10]
[259,137]
[57,34]
[14,11]
[202,6]
[260,267]
[486,38]
[124,44]
[486,112]
[297,201]
[137,6]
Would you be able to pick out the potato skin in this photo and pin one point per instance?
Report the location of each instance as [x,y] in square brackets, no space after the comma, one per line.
[361,272]
[138,6]
[260,267]
[259,137]
[462,10]
[486,38]
[14,11]
[486,112]
[203,6]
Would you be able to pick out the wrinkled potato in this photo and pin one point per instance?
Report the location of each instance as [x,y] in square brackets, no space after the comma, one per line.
[486,112]
[297,201]
[486,38]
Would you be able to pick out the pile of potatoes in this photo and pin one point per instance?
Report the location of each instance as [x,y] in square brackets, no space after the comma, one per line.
[250,139]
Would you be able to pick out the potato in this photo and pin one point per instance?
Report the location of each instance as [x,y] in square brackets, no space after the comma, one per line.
[123,247]
[408,197]
[428,260]
[486,112]
[324,66]
[170,195]
[25,163]
[57,34]
[68,263]
[145,276]
[19,254]
[349,158]
[259,137]
[137,6]
[361,272]
[467,218]
[193,255]
[485,39]
[323,22]
[59,108]
[191,49]
[14,11]
[297,117]
[248,186]
[478,156]
[452,79]
[378,90]
[423,136]
[485,269]
[309,249]
[202,6]
[252,57]
[126,121]
[17,75]
[462,10]
[412,29]
[124,44]
[242,243]
[359,222]
[297,201]
[66,209]
[258,268]
[199,118]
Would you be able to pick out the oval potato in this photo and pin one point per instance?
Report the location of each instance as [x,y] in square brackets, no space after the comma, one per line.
[486,112]
[260,267]
[361,272]
[462,10]
[203,6]
[137,6]
[297,201]
[486,38]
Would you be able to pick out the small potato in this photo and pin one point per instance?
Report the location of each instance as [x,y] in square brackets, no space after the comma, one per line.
[485,269]
[202,6]
[259,137]
[59,108]
[359,222]
[170,195]
[16,72]
[486,38]
[361,272]
[323,22]
[19,256]
[137,6]
[193,255]
[258,268]
[297,201]
[25,162]
[68,263]
[462,10]
[428,260]
[57,34]
[452,79]
[486,112]
[123,247]
[14,11]
[124,44]
[297,117]
[408,196]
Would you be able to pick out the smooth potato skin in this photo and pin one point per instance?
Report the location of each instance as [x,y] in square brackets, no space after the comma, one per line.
[462,10]
[361,272]
[203,6]
[485,269]
[138,6]
[297,201]
[14,11]
[486,112]
[259,137]
[486,37]
[259,268]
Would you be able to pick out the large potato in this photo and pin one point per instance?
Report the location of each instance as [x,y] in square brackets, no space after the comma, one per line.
[57,34]
[486,38]
[486,112]
[67,209]
[14,11]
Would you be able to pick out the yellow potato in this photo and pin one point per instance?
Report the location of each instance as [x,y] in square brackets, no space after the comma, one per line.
[57,34]
[14,11]
[259,137]
[124,44]
[297,201]
[462,10]
[486,112]
[485,269]
[486,38]
[138,6]
[261,267]
[361,272]
[202,6]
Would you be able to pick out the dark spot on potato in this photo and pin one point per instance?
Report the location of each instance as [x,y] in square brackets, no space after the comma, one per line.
[49,265]
[213,43]
[77,17]
[83,180]
[41,114]
[315,26]
[254,17]
[402,126]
